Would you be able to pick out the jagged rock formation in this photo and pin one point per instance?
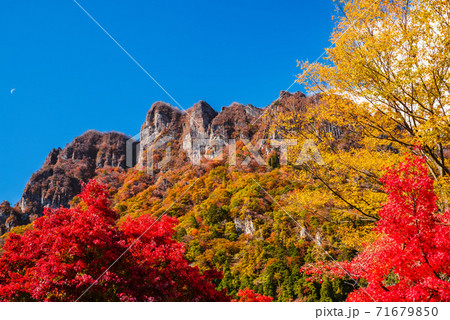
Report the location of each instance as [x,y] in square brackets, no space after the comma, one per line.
[244,226]
[11,217]
[198,119]
[162,119]
[199,129]
[235,121]
[60,178]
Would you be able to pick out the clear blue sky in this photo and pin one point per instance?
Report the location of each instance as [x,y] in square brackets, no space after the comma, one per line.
[70,77]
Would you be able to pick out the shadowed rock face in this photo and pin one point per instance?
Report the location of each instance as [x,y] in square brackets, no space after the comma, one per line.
[64,170]
[199,118]
[162,120]
[236,121]
[11,217]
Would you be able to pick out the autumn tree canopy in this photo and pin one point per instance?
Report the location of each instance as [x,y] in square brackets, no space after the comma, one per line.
[410,260]
[382,91]
[68,249]
[248,295]
[391,59]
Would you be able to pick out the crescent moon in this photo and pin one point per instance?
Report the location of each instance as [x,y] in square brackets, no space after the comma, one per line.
[12,91]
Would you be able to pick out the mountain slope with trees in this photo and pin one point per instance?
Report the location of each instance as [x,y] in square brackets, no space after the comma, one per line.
[362,217]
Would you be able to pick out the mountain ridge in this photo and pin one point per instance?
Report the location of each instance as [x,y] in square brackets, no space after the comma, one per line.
[66,169]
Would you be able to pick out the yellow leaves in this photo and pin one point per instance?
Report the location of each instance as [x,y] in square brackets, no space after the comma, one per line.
[355,237]
[435,130]
[384,91]
[388,76]
[388,54]
[18,230]
[442,189]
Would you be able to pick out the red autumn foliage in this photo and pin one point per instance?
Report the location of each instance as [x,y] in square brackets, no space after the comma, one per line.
[68,249]
[410,260]
[248,295]
[331,270]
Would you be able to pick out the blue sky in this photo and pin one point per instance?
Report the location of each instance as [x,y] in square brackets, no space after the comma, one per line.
[70,77]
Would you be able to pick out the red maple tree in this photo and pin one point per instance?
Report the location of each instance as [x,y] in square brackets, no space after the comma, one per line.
[68,250]
[410,260]
[248,295]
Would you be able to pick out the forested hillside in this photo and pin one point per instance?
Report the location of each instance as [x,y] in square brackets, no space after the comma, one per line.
[338,195]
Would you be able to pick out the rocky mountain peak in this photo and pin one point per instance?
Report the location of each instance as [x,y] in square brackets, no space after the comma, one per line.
[161,115]
[202,107]
[235,121]
[200,115]
[60,178]
[52,157]
[198,120]
[162,119]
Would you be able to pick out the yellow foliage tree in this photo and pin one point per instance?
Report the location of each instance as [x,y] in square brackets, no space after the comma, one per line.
[384,90]
[391,62]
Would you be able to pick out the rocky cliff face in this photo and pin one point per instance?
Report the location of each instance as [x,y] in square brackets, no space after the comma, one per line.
[235,122]
[200,129]
[11,217]
[162,120]
[64,170]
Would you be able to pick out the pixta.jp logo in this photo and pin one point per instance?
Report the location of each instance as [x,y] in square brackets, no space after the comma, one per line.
[288,151]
